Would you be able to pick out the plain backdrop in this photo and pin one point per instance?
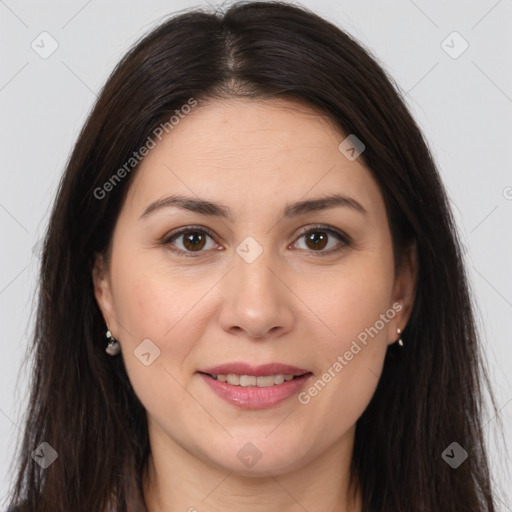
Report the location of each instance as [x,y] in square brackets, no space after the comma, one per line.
[458,87]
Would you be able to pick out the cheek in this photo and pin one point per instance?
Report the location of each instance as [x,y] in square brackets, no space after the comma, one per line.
[151,305]
[351,300]
[149,299]
[351,353]
[155,309]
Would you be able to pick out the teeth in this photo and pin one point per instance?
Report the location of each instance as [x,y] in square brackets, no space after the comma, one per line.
[248,380]
[265,381]
[253,381]
[233,379]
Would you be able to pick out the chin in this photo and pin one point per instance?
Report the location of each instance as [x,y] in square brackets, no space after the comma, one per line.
[259,457]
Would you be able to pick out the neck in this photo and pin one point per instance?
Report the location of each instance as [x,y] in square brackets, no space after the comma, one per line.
[176,480]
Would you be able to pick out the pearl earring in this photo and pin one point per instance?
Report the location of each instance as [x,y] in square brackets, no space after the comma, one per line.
[113,347]
[400,342]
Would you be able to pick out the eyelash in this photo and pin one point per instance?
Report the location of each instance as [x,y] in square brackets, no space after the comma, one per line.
[345,239]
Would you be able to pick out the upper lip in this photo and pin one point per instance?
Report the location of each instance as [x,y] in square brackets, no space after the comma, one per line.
[241,368]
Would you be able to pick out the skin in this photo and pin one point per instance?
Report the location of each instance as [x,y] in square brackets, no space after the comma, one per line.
[290,305]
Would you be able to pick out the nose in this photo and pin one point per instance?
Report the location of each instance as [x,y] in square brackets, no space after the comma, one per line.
[256,299]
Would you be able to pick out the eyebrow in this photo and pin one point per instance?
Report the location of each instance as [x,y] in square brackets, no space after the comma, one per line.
[208,208]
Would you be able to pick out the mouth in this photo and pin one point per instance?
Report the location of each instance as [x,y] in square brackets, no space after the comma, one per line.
[251,381]
[260,387]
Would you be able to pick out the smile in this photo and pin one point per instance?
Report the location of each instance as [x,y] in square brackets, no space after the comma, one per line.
[253,381]
[255,392]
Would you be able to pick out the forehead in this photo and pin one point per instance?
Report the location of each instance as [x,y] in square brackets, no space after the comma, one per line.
[272,150]
[235,127]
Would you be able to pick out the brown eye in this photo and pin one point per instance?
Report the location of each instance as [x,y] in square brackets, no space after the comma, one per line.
[193,240]
[318,238]
[188,241]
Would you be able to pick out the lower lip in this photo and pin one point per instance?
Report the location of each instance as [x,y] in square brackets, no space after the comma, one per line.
[255,397]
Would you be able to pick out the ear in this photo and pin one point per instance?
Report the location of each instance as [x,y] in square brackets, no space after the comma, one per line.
[405,289]
[102,290]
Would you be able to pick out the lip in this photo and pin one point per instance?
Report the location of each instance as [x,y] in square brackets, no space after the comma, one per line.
[240,368]
[253,397]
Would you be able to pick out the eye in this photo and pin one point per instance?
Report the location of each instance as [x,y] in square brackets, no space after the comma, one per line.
[194,239]
[319,237]
[191,239]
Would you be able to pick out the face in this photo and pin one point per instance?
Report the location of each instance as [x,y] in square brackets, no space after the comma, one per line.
[260,280]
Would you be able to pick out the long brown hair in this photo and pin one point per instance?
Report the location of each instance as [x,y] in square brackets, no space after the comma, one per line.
[430,393]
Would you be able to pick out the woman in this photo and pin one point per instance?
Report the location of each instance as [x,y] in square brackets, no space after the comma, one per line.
[252,293]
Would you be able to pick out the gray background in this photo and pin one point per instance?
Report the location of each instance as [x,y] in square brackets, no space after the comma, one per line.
[463,104]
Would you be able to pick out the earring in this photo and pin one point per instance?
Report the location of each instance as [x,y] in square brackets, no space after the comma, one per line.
[113,347]
[400,342]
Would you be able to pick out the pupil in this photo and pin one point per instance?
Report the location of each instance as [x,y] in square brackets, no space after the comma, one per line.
[189,239]
[316,239]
